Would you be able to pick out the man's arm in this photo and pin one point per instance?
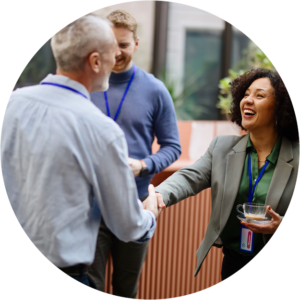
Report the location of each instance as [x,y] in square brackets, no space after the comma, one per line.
[166,131]
[115,190]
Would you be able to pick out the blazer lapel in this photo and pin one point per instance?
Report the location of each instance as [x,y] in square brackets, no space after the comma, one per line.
[281,174]
[233,175]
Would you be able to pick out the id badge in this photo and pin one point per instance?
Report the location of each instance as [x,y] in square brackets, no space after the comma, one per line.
[246,239]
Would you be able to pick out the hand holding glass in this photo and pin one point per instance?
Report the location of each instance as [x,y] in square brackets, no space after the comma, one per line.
[253,211]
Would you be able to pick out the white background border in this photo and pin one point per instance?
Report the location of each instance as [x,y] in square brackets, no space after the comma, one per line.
[27,25]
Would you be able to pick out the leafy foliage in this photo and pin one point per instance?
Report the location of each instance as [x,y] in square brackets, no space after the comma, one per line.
[41,64]
[182,96]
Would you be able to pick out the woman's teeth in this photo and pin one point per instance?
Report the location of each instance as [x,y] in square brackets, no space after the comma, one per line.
[249,112]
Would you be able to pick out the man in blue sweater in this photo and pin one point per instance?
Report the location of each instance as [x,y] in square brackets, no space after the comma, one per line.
[143,108]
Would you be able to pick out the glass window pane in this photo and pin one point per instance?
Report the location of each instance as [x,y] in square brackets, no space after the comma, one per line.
[202,72]
[240,44]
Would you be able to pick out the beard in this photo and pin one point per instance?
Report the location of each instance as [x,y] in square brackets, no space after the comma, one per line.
[121,63]
[102,84]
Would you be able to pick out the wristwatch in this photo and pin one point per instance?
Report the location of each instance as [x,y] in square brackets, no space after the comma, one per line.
[144,171]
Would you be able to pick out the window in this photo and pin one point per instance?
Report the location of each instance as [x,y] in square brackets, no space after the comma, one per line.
[239,44]
[202,71]
[203,65]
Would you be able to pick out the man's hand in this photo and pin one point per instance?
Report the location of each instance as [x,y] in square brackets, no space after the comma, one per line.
[266,228]
[151,202]
[136,166]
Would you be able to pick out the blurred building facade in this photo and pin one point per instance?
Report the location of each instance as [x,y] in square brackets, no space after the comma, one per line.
[190,50]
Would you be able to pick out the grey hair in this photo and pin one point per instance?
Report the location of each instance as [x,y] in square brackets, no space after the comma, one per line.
[72,45]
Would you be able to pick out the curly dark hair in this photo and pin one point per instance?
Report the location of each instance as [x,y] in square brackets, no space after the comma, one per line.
[285,122]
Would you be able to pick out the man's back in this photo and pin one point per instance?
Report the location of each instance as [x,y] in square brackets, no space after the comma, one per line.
[55,146]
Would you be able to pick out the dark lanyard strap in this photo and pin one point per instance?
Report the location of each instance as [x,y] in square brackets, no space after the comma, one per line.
[251,191]
[123,98]
[65,87]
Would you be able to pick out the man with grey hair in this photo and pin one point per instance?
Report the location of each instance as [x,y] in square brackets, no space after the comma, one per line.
[64,163]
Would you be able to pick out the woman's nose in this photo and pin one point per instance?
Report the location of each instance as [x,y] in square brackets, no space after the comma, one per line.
[249,99]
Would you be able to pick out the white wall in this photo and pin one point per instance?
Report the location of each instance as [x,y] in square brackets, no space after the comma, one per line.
[143,12]
[181,18]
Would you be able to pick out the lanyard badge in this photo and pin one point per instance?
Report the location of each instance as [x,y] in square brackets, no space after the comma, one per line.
[123,98]
[246,239]
[246,235]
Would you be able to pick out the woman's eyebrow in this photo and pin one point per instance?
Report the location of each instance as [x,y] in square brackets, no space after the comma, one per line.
[261,90]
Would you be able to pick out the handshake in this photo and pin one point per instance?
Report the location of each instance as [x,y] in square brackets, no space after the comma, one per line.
[154,202]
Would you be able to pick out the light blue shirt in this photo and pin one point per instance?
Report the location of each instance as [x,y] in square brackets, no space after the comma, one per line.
[59,153]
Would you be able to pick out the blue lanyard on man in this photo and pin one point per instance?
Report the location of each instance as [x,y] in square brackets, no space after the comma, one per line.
[65,87]
[247,236]
[123,98]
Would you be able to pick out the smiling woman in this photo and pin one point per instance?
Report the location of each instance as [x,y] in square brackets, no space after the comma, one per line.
[260,168]
[263,90]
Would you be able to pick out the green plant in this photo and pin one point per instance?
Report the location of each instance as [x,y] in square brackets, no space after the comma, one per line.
[182,91]
[254,57]
[225,95]
[177,96]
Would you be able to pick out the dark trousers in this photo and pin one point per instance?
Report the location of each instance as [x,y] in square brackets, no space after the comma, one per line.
[128,259]
[233,262]
[84,279]
[79,273]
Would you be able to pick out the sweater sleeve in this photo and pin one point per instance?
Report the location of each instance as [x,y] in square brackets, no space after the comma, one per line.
[166,132]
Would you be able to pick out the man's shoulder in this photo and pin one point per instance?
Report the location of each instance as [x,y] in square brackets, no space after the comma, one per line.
[23,94]
[103,127]
[151,80]
[83,114]
[26,91]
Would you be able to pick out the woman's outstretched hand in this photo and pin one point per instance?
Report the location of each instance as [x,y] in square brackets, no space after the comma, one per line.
[266,228]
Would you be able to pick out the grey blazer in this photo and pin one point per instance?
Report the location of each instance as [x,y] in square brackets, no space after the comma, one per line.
[221,169]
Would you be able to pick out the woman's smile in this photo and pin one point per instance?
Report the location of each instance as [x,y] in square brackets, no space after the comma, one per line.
[248,113]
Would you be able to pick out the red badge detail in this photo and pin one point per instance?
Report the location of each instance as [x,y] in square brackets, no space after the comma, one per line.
[249,240]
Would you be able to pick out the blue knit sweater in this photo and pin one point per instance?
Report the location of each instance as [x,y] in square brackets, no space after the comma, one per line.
[147,111]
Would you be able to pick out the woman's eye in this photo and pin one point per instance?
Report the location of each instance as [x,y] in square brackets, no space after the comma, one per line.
[260,96]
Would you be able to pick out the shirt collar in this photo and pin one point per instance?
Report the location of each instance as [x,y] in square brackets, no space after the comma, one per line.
[64,80]
[250,146]
[273,156]
[121,77]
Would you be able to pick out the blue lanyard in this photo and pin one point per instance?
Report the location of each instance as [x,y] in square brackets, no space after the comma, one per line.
[123,98]
[65,87]
[251,191]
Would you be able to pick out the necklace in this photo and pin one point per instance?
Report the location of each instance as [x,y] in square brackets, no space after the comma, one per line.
[266,157]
